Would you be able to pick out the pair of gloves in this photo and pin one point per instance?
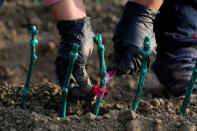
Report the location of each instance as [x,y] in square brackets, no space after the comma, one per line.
[135,23]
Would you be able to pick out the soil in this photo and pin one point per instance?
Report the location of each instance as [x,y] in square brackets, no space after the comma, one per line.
[43,110]
[158,111]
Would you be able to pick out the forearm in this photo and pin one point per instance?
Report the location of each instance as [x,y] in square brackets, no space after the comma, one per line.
[68,9]
[152,4]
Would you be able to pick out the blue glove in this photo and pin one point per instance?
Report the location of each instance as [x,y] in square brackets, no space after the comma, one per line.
[135,24]
[80,32]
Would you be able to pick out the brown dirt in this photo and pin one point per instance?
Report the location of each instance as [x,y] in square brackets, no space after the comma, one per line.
[157,111]
[44,107]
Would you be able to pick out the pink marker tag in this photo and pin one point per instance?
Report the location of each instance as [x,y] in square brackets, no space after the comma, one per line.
[110,75]
[195,36]
[97,90]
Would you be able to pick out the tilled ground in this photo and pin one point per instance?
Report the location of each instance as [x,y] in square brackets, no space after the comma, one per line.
[43,109]
[157,111]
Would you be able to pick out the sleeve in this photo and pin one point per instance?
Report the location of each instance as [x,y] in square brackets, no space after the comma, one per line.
[1,3]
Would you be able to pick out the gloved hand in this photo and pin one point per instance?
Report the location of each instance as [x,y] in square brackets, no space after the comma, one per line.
[77,31]
[135,24]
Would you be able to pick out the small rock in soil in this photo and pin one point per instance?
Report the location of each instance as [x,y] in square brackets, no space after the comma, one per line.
[155,102]
[127,115]
[134,125]
[186,127]
[90,116]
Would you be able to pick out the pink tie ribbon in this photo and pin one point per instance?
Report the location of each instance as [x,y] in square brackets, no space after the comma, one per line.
[101,91]
[110,75]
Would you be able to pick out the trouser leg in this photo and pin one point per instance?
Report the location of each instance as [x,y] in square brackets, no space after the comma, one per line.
[174,69]
[1,3]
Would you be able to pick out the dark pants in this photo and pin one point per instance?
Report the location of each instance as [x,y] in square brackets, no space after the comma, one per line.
[174,68]
[175,31]
[1,3]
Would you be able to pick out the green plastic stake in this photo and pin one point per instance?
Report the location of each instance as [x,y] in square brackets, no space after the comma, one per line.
[33,44]
[101,51]
[36,2]
[143,72]
[189,90]
[73,56]
[98,2]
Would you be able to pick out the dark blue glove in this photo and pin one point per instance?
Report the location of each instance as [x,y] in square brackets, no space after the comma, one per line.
[135,24]
[76,31]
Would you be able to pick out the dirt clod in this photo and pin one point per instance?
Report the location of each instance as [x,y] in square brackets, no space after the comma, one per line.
[134,125]
[90,116]
[127,115]
[186,127]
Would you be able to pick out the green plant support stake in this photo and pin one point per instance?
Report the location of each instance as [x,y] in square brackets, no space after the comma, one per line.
[101,51]
[36,2]
[33,44]
[189,90]
[98,2]
[73,56]
[143,72]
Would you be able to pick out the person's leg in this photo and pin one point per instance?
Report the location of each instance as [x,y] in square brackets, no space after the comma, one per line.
[74,27]
[175,28]
[174,68]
